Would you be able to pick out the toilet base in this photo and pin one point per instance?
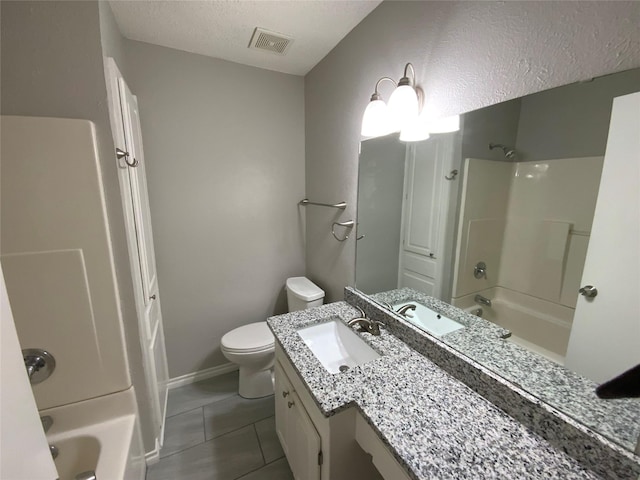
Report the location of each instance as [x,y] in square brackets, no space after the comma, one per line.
[255,383]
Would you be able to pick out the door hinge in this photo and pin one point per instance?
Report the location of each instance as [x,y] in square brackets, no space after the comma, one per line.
[320,457]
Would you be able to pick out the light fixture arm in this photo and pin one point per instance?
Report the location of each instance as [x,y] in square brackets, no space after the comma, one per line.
[376,94]
[406,80]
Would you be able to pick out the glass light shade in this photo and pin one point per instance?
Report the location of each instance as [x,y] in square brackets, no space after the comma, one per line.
[414,131]
[445,125]
[375,121]
[403,107]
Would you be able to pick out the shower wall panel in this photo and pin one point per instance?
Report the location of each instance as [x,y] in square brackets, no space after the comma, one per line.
[57,257]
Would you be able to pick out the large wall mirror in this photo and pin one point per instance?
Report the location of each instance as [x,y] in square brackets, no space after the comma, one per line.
[496,219]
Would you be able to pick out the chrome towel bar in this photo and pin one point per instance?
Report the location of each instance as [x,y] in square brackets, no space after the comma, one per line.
[341,205]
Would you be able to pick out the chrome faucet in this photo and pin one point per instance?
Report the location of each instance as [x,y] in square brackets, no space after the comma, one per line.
[47,422]
[366,324]
[479,299]
[405,308]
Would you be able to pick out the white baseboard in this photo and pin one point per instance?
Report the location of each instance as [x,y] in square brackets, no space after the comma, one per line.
[201,375]
[153,456]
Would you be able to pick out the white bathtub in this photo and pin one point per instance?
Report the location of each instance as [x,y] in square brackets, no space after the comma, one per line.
[538,325]
[100,435]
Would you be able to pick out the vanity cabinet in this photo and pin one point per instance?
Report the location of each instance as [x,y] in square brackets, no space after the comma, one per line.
[382,458]
[297,434]
[316,447]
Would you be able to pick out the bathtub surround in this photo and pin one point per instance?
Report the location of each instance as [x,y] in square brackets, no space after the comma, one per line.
[555,403]
[224,146]
[90,437]
[53,44]
[69,258]
[464,61]
[402,396]
[514,228]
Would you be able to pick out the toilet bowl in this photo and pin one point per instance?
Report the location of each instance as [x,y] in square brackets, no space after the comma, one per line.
[252,347]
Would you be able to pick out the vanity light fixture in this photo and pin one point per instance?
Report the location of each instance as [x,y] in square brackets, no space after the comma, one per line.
[404,113]
[403,109]
[376,120]
[404,104]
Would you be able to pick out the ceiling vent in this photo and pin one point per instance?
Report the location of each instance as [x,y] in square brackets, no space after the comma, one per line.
[270,41]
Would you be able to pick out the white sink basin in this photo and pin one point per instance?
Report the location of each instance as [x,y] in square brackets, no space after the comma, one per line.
[428,320]
[337,346]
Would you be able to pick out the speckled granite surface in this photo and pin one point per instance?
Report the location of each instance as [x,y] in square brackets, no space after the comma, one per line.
[552,401]
[435,426]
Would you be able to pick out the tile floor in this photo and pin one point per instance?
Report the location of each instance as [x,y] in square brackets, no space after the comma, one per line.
[213,433]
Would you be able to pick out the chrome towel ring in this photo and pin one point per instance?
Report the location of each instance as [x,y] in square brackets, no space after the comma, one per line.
[348,225]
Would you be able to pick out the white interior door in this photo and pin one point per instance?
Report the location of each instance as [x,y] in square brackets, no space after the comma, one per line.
[139,194]
[605,337]
[425,214]
[157,371]
[23,446]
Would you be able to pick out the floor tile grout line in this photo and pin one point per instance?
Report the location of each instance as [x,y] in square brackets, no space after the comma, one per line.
[204,439]
[181,413]
[260,468]
[225,433]
[235,429]
[264,459]
[203,405]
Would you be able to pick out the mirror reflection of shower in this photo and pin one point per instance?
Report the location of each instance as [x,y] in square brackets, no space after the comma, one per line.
[509,152]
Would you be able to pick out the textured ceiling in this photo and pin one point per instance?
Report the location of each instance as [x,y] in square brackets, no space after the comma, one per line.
[222,29]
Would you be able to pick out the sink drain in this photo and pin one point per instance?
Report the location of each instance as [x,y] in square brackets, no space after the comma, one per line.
[343,368]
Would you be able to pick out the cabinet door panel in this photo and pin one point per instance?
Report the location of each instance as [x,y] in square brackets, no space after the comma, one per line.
[283,390]
[304,442]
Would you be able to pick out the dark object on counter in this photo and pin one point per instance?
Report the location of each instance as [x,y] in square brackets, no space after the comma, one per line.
[625,385]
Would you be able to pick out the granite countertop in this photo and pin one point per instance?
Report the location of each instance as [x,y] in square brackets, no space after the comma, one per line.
[434,425]
[567,391]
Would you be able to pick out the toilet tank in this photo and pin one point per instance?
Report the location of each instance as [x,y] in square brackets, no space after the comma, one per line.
[302,293]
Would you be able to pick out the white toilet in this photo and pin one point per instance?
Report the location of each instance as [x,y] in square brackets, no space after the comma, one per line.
[251,346]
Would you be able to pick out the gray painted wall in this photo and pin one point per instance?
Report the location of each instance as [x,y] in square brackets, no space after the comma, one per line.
[467,55]
[224,146]
[571,121]
[494,124]
[380,187]
[52,67]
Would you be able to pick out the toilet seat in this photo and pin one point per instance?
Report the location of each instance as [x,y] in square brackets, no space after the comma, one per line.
[251,338]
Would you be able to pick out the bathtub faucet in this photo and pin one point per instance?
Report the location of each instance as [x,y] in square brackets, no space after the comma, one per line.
[479,299]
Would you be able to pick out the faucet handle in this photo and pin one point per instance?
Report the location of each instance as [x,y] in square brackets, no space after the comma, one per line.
[47,422]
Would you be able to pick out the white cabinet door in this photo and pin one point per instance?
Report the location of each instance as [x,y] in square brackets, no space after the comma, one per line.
[303,442]
[283,390]
[298,436]
[605,337]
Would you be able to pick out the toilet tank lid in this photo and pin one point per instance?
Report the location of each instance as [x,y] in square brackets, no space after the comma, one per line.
[304,289]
